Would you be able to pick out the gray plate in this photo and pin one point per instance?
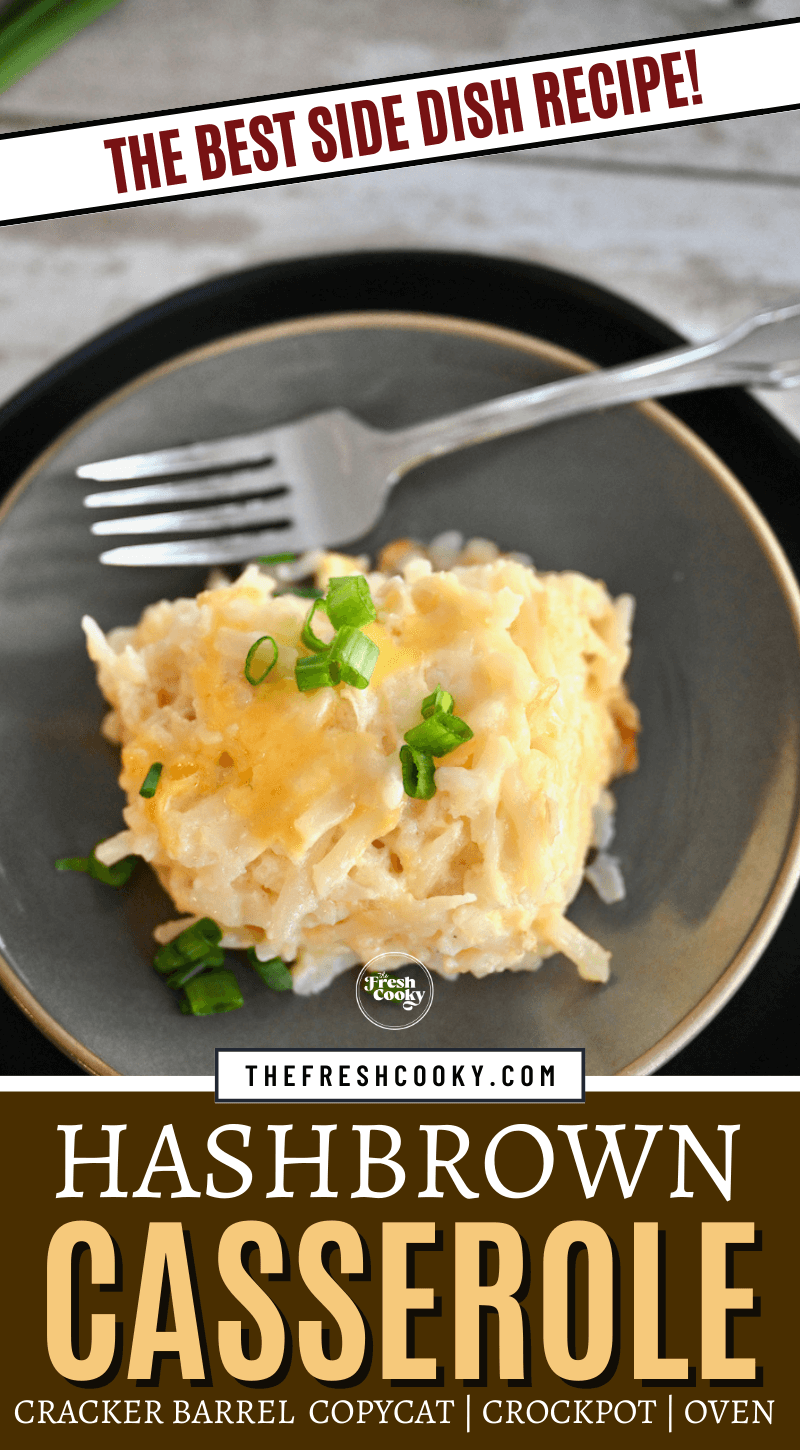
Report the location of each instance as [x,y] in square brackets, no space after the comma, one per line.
[707,828]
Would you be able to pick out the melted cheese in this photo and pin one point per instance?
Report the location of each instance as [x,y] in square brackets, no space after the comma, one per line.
[282,814]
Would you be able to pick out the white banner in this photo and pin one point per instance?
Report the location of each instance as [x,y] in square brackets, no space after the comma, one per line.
[513,1075]
[506,106]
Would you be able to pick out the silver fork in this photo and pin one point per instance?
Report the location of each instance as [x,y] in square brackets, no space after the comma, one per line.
[325,478]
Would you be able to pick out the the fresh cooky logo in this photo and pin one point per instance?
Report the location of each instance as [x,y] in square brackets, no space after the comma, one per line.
[394,991]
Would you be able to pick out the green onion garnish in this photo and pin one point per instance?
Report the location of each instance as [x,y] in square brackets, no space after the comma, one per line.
[349,601]
[150,782]
[185,962]
[313,672]
[274,974]
[303,591]
[308,637]
[353,657]
[183,974]
[277,559]
[115,875]
[250,662]
[196,944]
[72,863]
[168,959]
[212,992]
[418,773]
[29,32]
[438,700]
[439,734]
[205,929]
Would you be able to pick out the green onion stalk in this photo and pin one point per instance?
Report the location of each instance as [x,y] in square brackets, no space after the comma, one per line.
[149,785]
[274,973]
[440,732]
[31,29]
[351,655]
[115,875]
[256,658]
[212,993]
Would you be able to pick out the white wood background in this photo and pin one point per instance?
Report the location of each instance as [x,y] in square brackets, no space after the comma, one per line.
[701,225]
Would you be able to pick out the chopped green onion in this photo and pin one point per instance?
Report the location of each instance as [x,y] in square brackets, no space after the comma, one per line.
[439,734]
[150,782]
[72,863]
[205,928]
[29,32]
[353,657]
[168,959]
[439,700]
[275,974]
[184,973]
[195,940]
[418,773]
[309,638]
[115,875]
[196,944]
[212,992]
[302,591]
[211,957]
[313,672]
[277,559]
[349,601]
[250,660]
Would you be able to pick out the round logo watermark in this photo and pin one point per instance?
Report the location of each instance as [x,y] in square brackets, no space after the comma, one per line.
[394,991]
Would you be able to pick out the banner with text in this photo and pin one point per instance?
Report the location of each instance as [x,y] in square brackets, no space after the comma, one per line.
[625,1261]
[402,121]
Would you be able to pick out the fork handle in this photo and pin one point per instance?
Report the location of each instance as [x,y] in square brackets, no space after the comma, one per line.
[681,370]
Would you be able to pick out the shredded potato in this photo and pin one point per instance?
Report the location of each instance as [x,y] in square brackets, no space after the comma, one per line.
[282,815]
